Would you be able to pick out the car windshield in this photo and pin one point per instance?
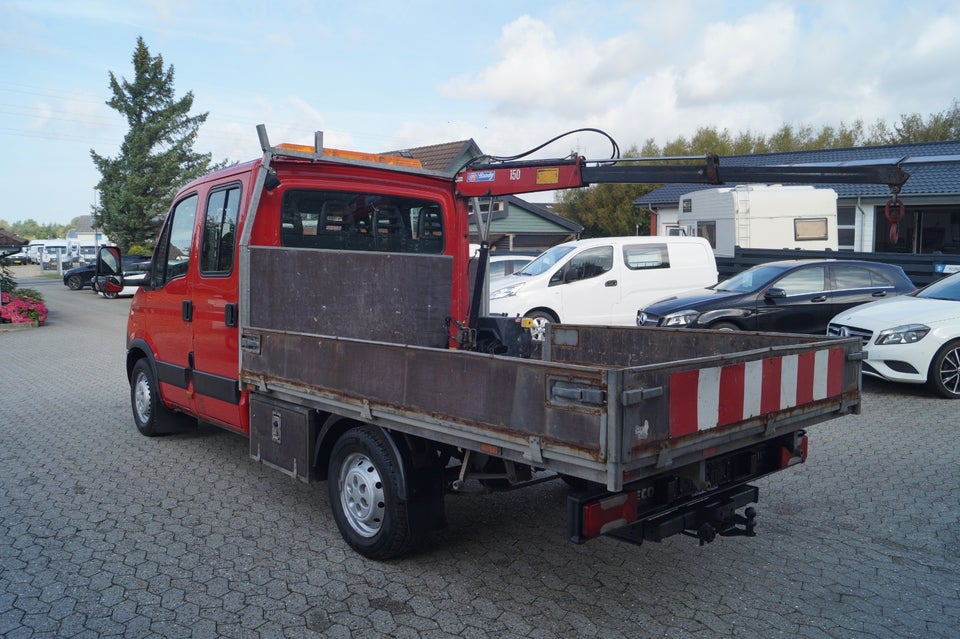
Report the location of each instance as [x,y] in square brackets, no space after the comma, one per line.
[545,260]
[946,289]
[751,279]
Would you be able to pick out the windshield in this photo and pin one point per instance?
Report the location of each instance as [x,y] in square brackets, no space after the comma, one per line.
[751,279]
[545,260]
[946,289]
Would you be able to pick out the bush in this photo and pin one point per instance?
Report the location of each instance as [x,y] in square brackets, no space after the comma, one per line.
[23,305]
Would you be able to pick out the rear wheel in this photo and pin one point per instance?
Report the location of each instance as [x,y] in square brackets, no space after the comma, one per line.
[944,374]
[541,319]
[364,485]
[74,283]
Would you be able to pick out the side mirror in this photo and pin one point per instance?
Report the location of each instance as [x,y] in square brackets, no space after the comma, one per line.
[109,276]
[775,293]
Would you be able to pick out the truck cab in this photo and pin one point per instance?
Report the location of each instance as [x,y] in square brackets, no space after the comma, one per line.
[185,317]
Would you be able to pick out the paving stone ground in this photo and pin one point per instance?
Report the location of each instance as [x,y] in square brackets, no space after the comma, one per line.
[105,533]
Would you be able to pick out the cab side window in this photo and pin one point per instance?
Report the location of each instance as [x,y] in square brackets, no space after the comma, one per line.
[173,250]
[588,264]
[220,231]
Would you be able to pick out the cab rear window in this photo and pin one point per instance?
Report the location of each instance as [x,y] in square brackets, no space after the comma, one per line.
[356,221]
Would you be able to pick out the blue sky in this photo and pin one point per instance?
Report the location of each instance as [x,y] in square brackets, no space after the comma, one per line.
[376,76]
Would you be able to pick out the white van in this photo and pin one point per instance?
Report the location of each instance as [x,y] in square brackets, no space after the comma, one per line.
[603,280]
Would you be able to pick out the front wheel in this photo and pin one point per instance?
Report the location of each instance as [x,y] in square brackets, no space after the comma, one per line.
[944,373]
[541,319]
[364,485]
[74,283]
[724,326]
[149,414]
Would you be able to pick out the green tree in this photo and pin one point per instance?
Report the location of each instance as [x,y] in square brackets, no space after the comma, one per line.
[156,156]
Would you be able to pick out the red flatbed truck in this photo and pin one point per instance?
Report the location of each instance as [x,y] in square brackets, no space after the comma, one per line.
[318,302]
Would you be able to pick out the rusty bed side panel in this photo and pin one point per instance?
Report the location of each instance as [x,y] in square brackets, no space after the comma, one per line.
[391,297]
[470,390]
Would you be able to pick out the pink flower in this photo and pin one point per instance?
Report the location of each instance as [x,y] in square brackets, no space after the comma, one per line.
[22,309]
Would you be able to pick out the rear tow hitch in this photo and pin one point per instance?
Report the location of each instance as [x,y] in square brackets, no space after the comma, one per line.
[730,525]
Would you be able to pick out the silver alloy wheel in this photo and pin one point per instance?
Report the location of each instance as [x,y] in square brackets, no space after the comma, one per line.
[538,328]
[361,494]
[949,371]
[141,398]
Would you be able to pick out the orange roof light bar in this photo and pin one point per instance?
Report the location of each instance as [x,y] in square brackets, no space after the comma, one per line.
[356,155]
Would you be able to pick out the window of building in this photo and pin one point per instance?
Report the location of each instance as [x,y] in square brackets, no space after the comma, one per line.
[846,228]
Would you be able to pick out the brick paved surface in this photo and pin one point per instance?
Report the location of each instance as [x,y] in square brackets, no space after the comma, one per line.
[105,533]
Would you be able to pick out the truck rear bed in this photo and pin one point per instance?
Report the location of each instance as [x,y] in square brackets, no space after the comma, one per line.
[609,405]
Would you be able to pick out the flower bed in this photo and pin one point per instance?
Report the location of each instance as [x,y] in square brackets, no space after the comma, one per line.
[23,305]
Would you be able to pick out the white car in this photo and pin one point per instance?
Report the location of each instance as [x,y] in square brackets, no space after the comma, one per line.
[912,338]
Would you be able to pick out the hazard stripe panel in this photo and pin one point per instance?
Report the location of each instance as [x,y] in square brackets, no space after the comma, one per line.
[705,398]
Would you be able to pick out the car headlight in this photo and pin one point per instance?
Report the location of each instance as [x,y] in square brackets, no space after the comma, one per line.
[907,334]
[680,318]
[506,291]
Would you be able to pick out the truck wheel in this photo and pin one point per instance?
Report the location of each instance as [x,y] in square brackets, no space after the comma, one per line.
[150,415]
[944,374]
[364,487]
[540,321]
[74,283]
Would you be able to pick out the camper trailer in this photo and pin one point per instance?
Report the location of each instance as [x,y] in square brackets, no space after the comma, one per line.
[760,216]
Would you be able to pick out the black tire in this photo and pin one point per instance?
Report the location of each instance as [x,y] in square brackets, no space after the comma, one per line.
[724,326]
[364,484]
[540,321]
[151,417]
[74,283]
[944,373]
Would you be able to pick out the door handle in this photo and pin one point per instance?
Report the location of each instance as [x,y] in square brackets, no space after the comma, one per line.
[822,298]
[230,314]
[186,310]
[610,283]
[880,294]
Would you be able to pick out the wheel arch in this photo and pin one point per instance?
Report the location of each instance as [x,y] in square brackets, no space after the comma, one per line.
[336,425]
[139,349]
[544,309]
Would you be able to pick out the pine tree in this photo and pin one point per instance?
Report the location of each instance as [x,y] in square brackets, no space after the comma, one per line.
[156,157]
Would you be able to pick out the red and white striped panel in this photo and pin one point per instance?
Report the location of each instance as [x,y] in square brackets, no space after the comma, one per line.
[705,398]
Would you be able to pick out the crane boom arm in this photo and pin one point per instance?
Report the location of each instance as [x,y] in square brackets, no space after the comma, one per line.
[508,178]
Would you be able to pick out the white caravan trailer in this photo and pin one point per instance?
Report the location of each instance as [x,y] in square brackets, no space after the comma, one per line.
[761,216]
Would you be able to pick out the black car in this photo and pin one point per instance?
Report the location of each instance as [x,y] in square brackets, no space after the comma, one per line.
[79,277]
[83,276]
[791,296]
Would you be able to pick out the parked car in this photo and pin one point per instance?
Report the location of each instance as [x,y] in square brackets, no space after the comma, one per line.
[79,277]
[790,296]
[17,259]
[503,264]
[602,280]
[913,339]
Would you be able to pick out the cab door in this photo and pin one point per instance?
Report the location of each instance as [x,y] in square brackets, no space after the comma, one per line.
[215,311]
[165,304]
